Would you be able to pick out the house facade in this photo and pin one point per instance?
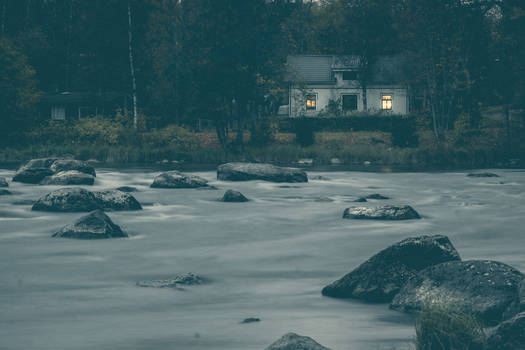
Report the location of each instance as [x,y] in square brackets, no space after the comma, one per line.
[322,83]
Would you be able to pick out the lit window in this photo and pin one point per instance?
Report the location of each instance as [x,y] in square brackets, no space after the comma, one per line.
[311,101]
[386,102]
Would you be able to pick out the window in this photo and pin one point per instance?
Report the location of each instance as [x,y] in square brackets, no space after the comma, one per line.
[349,102]
[311,102]
[386,102]
[351,75]
[58,113]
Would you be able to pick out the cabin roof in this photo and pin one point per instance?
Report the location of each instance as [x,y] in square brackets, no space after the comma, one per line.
[76,97]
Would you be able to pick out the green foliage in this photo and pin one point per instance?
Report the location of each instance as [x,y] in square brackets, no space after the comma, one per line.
[442,328]
[262,132]
[173,137]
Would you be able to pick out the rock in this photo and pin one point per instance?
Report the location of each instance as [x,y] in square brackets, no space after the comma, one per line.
[292,341]
[522,296]
[482,175]
[69,177]
[34,171]
[487,289]
[259,171]
[127,189]
[250,320]
[72,164]
[386,212]
[361,200]
[376,196]
[234,196]
[69,199]
[116,200]
[3,182]
[4,192]
[96,225]
[509,335]
[381,277]
[188,279]
[175,179]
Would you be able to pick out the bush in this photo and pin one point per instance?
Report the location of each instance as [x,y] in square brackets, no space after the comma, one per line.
[172,136]
[441,328]
[404,133]
[262,132]
[304,129]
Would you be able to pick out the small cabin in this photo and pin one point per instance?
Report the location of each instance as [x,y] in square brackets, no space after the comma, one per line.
[320,82]
[70,105]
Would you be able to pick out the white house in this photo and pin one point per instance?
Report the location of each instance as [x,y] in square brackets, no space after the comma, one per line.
[315,81]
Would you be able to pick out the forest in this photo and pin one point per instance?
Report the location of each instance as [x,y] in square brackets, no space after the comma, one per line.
[181,61]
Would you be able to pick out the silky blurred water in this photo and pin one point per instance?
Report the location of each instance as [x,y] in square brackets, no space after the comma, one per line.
[268,258]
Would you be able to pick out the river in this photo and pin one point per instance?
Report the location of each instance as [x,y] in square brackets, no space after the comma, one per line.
[268,258]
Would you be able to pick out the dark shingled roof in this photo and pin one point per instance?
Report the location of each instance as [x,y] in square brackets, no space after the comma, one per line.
[319,68]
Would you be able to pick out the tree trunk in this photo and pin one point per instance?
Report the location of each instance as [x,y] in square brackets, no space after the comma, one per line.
[2,18]
[68,45]
[132,68]
[507,126]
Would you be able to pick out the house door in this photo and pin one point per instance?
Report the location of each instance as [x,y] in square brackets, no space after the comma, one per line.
[349,103]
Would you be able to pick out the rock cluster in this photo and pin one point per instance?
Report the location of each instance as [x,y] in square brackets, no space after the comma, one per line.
[55,171]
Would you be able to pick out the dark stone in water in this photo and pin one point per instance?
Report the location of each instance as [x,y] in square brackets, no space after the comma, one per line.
[386,212]
[69,199]
[381,277]
[4,192]
[509,335]
[487,289]
[72,164]
[69,177]
[292,341]
[3,182]
[522,296]
[188,279]
[361,200]
[96,225]
[34,171]
[175,179]
[482,175]
[234,197]
[127,189]
[116,200]
[250,320]
[376,196]
[259,171]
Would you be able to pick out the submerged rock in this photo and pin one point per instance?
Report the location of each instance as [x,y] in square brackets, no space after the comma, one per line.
[3,182]
[381,277]
[487,289]
[175,179]
[522,296]
[234,197]
[5,192]
[34,171]
[250,320]
[509,335]
[386,212]
[188,279]
[361,200]
[96,225]
[116,200]
[69,177]
[376,196]
[292,341]
[72,164]
[259,171]
[127,189]
[70,199]
[482,175]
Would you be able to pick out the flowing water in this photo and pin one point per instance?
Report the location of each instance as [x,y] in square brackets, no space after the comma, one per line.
[268,258]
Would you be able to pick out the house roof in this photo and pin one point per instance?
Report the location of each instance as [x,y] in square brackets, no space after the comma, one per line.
[75,97]
[319,68]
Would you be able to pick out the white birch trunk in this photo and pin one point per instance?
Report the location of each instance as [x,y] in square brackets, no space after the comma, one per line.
[132,68]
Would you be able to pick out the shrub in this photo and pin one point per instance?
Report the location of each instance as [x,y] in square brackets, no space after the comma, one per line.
[404,133]
[172,136]
[304,131]
[441,328]
[262,132]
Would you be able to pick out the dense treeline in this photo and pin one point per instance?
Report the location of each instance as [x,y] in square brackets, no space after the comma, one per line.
[223,60]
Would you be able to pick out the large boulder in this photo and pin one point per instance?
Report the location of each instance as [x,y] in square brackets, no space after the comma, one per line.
[69,177]
[116,200]
[522,296]
[257,171]
[3,182]
[234,197]
[292,341]
[95,225]
[34,171]
[509,335]
[487,289]
[72,164]
[175,179]
[69,199]
[385,212]
[381,277]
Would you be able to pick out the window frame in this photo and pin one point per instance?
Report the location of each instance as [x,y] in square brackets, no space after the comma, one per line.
[386,100]
[356,102]
[58,112]
[310,97]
